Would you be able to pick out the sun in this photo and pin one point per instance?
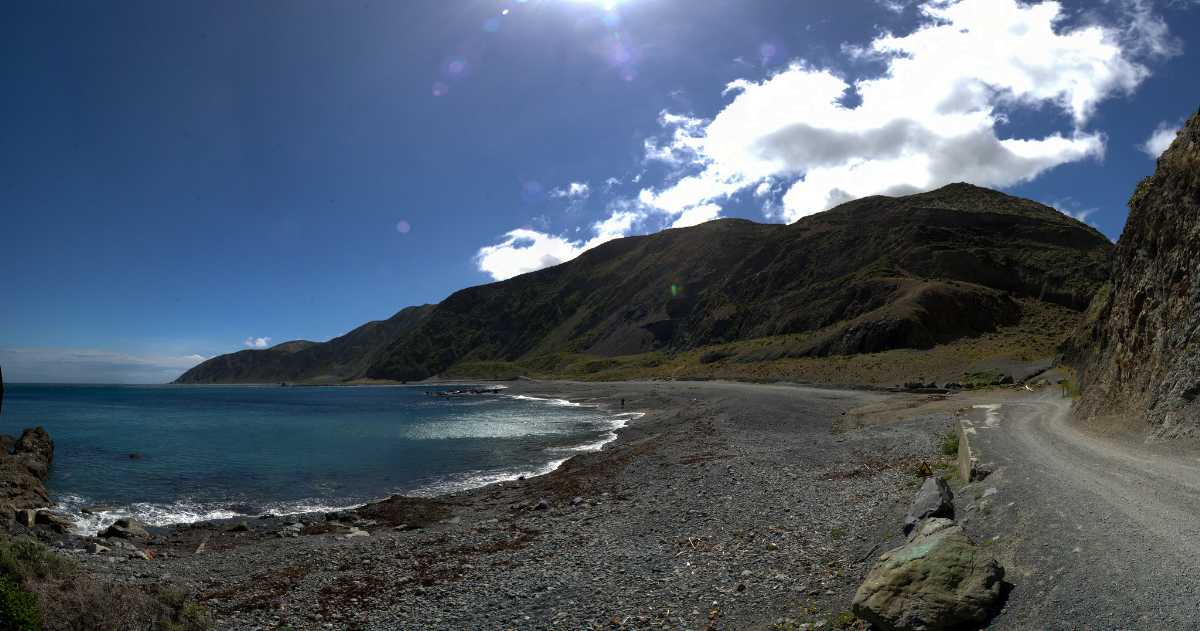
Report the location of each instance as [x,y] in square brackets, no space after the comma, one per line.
[607,5]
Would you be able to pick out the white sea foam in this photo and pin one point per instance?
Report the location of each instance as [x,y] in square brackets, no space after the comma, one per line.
[562,402]
[181,512]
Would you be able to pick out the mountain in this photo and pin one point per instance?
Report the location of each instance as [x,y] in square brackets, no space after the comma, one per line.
[337,360]
[874,274]
[1140,358]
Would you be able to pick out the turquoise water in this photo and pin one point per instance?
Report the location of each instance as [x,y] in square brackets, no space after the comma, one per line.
[222,451]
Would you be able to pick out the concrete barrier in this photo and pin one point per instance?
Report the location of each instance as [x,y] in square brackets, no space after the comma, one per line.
[967,459]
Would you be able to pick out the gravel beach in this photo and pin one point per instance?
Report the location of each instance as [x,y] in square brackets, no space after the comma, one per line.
[725,506]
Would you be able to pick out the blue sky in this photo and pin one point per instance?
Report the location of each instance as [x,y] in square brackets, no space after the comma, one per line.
[180,180]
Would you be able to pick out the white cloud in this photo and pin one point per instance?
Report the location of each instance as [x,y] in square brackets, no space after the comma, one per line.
[574,190]
[525,250]
[1161,138]
[257,342]
[697,215]
[76,365]
[930,119]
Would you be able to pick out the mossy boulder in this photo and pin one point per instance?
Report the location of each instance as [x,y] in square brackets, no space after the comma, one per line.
[939,580]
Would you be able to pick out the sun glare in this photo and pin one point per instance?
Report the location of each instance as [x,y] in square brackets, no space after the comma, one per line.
[607,5]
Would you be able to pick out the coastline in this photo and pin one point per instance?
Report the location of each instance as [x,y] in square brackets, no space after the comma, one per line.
[755,497]
[92,517]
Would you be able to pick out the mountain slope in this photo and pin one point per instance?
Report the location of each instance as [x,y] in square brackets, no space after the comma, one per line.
[337,360]
[873,274]
[1141,356]
[869,275]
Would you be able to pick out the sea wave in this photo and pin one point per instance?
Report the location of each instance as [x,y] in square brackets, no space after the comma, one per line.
[562,402]
[181,512]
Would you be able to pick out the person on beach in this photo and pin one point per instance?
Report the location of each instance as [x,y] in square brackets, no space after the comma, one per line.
[622,403]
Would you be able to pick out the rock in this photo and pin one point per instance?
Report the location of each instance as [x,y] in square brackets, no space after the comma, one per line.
[542,504]
[24,466]
[938,580]
[126,528]
[290,530]
[576,501]
[57,521]
[356,532]
[933,500]
[1138,359]
[26,517]
[96,548]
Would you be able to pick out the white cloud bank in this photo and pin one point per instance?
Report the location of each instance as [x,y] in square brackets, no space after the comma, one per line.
[74,365]
[1160,139]
[930,119]
[806,139]
[257,342]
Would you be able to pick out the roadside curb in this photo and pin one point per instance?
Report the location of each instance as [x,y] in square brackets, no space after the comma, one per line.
[967,460]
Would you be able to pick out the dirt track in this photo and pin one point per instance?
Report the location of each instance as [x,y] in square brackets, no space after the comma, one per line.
[1096,532]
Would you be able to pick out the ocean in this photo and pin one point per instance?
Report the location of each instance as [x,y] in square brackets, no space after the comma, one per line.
[169,454]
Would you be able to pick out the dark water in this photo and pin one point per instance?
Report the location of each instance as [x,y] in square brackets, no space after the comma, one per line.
[222,451]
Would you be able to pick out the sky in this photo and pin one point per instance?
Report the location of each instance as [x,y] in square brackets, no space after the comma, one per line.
[184,179]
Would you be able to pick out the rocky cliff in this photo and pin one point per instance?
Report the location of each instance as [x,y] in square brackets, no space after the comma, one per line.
[874,274]
[1140,358]
[24,466]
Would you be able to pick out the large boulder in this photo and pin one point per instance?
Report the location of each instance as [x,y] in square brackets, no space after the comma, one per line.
[126,529]
[938,580]
[933,500]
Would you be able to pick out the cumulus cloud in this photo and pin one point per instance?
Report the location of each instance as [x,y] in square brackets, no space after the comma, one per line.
[1161,138]
[929,119]
[76,365]
[257,342]
[574,190]
[526,250]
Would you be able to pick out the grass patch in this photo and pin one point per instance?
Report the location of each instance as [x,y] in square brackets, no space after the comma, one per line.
[1038,334]
[43,591]
[838,533]
[950,444]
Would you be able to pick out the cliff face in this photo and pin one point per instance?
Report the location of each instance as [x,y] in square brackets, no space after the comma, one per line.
[1141,355]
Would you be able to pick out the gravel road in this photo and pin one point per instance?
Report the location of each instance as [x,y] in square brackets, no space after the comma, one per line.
[1096,531]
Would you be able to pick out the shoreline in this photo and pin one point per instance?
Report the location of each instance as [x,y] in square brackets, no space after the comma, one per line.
[221,512]
[764,499]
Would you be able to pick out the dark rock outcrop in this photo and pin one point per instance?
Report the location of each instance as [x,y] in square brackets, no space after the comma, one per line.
[24,465]
[126,529]
[933,500]
[1140,356]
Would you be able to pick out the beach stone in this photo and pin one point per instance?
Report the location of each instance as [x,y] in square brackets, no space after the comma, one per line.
[933,500]
[939,580]
[355,532]
[542,504]
[126,528]
[57,521]
[96,548]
